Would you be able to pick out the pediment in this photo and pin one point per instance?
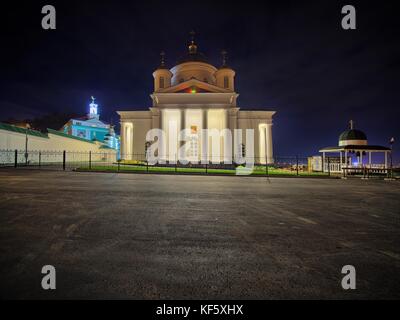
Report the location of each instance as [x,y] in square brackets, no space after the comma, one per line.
[194,86]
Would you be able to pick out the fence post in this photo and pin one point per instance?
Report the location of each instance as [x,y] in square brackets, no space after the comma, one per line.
[147,165]
[90,160]
[16,158]
[297,165]
[206,167]
[40,159]
[64,156]
[176,164]
[119,163]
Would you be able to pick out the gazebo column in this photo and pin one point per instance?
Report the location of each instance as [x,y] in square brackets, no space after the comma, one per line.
[340,166]
[369,159]
[323,161]
[386,160]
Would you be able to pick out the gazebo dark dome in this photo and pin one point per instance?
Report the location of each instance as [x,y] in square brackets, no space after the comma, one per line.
[352,134]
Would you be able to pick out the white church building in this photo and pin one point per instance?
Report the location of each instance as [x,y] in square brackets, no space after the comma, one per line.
[196,95]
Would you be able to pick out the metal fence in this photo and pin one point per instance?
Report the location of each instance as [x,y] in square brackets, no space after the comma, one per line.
[108,162]
[57,160]
[95,161]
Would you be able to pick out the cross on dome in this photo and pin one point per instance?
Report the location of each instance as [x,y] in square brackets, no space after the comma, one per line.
[192,46]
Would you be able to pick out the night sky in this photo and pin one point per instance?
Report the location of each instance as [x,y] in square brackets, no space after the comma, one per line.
[289,56]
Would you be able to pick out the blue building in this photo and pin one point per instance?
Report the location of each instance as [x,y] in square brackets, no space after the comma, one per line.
[90,127]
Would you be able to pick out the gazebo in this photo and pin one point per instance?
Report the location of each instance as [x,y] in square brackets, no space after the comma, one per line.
[355,155]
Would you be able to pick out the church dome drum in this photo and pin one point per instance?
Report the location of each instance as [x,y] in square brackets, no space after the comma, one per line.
[193,70]
[194,65]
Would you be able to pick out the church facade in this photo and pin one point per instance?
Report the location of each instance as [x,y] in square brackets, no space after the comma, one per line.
[91,128]
[193,96]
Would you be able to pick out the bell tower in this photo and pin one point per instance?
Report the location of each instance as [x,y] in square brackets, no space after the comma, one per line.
[162,75]
[93,109]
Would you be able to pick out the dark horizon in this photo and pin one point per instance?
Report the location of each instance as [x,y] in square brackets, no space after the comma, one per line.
[290,57]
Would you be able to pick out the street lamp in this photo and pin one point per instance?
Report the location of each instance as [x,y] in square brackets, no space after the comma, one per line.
[26,143]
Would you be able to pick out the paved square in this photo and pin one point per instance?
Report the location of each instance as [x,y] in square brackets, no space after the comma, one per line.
[202,237]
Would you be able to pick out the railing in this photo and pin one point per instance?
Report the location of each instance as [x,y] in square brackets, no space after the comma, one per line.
[67,160]
[367,172]
[53,159]
[107,162]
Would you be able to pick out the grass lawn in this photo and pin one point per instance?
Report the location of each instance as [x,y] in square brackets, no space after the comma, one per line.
[258,170]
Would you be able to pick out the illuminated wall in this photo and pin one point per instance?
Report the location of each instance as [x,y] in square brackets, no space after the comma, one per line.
[52,142]
[217,119]
[128,141]
[171,124]
[265,143]
[136,124]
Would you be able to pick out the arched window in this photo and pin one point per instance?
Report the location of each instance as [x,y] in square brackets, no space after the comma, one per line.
[226,82]
[162,83]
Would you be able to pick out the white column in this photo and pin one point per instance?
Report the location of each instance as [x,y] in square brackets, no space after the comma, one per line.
[340,166]
[123,140]
[131,138]
[262,145]
[227,142]
[232,125]
[323,161]
[127,141]
[204,136]
[163,142]
[183,127]
[270,155]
